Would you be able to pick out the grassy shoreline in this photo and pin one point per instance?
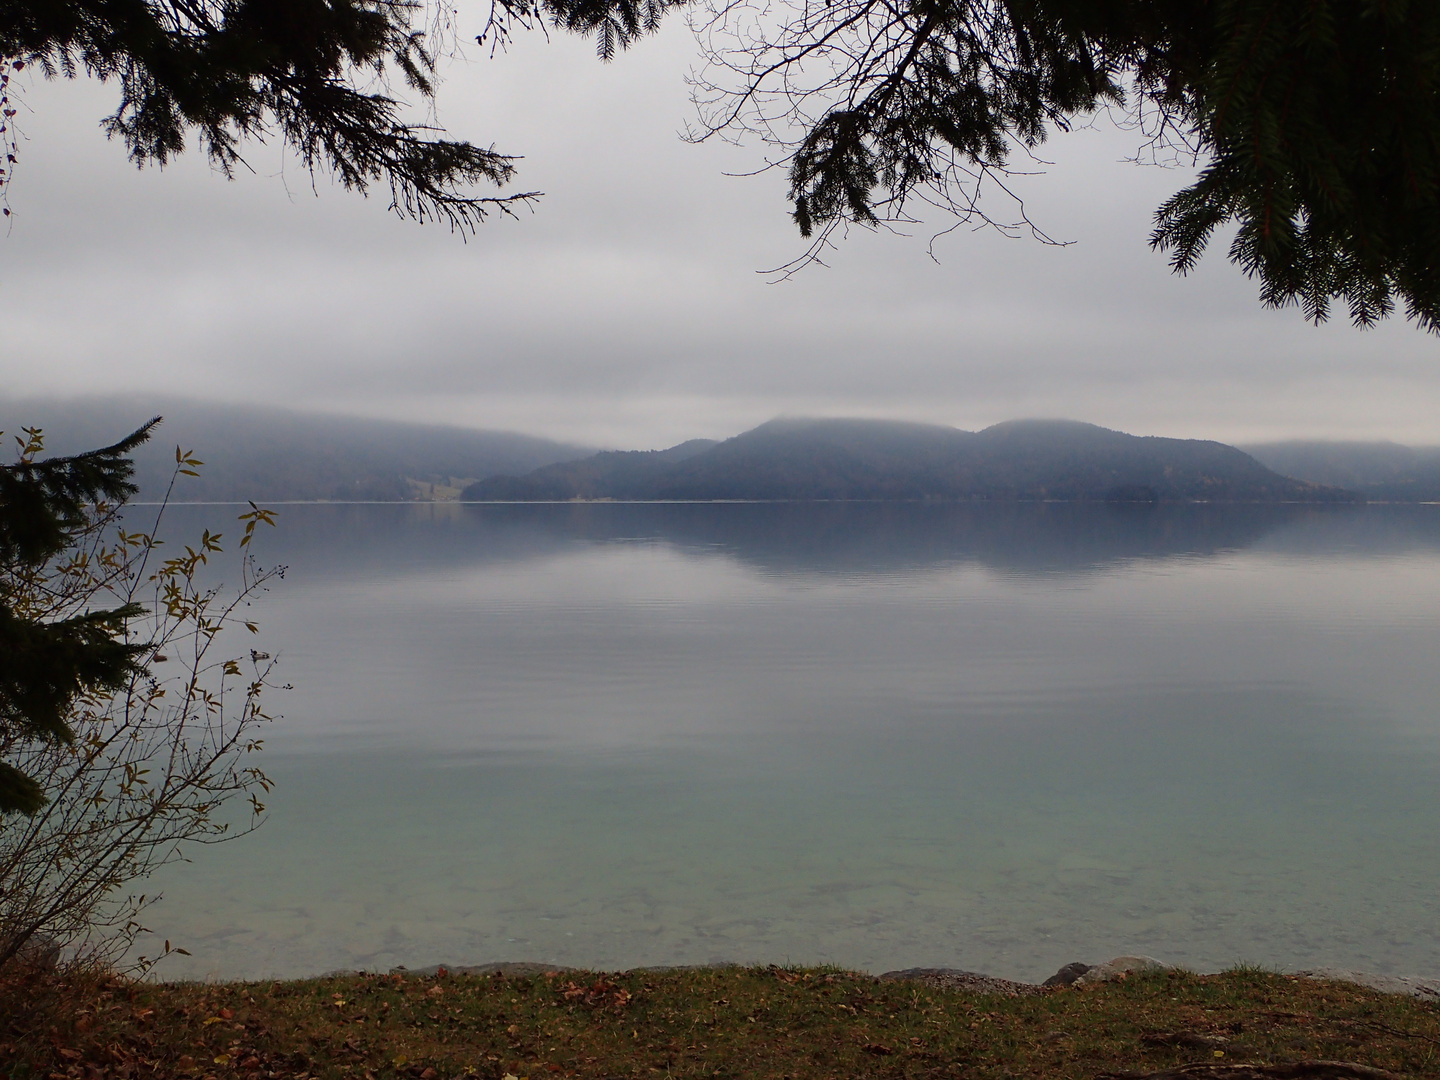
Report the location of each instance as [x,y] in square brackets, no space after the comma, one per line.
[781,1023]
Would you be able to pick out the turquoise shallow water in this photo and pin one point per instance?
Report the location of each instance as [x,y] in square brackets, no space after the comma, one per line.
[880,736]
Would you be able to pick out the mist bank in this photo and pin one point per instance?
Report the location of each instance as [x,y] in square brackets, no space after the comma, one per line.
[1379,471]
[275,455]
[838,459]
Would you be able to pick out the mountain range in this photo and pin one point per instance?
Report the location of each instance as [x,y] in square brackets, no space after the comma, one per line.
[276,455]
[1379,471]
[273,455]
[839,459]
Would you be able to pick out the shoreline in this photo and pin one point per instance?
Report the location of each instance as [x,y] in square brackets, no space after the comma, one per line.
[1076,973]
[533,1022]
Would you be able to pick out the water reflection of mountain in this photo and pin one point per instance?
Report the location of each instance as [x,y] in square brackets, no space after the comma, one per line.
[862,538]
[324,541]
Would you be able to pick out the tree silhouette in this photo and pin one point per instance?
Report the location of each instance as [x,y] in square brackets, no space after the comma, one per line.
[1315,123]
[46,663]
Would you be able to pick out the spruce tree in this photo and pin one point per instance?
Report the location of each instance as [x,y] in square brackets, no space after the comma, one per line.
[45,664]
[1315,123]
[313,73]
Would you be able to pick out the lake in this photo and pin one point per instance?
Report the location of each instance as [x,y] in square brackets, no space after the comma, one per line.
[999,738]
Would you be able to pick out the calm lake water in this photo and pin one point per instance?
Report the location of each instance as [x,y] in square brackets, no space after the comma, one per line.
[996,738]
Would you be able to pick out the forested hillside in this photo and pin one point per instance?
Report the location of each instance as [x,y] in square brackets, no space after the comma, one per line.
[1380,471]
[872,459]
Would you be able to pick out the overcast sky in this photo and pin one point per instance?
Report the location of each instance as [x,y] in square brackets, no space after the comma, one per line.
[627,310]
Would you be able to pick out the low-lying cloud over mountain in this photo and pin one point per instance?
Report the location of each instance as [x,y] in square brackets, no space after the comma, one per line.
[1380,471]
[272,455]
[870,459]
